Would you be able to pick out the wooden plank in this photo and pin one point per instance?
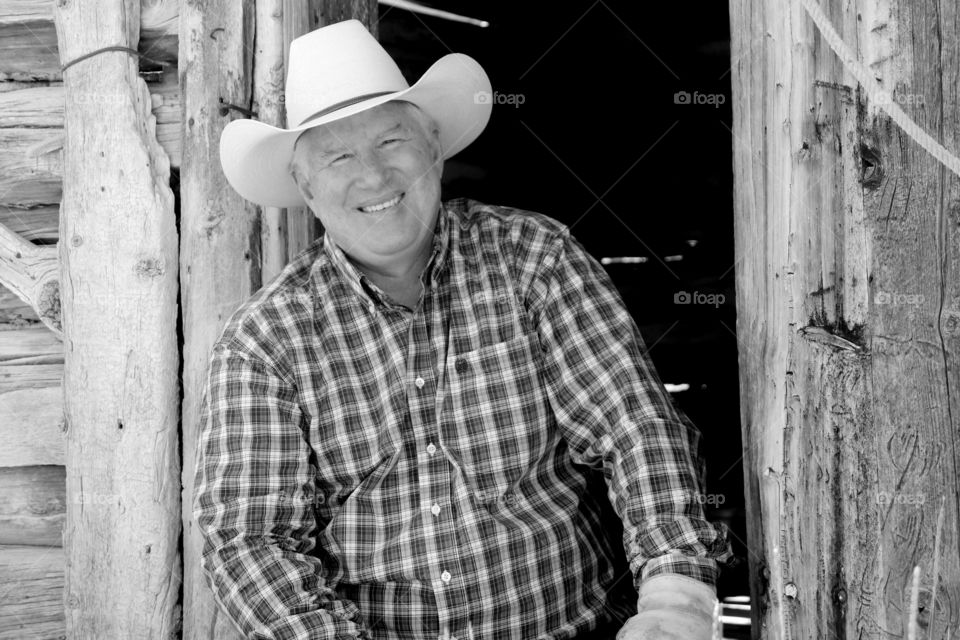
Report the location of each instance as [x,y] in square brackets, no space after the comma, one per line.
[32,425]
[848,276]
[33,505]
[31,376]
[120,321]
[31,581]
[28,39]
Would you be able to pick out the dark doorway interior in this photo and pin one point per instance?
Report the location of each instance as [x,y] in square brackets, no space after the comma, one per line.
[614,117]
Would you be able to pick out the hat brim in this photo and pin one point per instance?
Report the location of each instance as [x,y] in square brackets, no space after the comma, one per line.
[255,156]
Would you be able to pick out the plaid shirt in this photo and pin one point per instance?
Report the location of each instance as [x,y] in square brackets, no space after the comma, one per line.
[368,471]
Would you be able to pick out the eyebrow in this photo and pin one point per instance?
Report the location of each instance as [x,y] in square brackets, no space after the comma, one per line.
[333,151]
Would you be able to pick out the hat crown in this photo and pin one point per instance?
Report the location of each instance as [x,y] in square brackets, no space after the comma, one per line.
[337,65]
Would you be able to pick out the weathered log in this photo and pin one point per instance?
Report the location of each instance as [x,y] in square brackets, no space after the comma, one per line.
[14,312]
[848,300]
[31,345]
[30,271]
[220,244]
[31,134]
[268,88]
[32,605]
[119,255]
[302,227]
[32,420]
[36,224]
[28,39]
[33,505]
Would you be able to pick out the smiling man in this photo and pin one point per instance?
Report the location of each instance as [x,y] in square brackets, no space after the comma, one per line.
[415,430]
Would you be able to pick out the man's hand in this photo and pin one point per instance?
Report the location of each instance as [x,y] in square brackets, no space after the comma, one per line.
[672,607]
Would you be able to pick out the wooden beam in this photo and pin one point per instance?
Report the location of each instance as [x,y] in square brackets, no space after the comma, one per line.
[848,281]
[118,255]
[32,605]
[28,39]
[31,272]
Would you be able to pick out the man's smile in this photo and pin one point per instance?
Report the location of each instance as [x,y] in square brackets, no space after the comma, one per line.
[383,204]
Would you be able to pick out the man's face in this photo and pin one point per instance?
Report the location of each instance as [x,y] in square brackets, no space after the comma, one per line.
[373,180]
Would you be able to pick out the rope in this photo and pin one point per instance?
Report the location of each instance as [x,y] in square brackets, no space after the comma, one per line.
[110,48]
[878,95]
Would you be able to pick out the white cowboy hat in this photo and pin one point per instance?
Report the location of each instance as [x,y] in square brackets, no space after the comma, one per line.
[338,71]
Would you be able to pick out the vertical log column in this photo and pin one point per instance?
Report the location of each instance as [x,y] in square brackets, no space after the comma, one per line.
[118,269]
[848,300]
[220,242]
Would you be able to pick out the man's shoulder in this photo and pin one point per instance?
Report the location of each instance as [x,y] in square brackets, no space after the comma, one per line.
[504,222]
[275,310]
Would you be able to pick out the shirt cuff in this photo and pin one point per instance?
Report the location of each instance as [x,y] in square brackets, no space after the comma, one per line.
[703,569]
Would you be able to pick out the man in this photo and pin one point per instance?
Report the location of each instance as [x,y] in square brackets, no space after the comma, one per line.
[401,432]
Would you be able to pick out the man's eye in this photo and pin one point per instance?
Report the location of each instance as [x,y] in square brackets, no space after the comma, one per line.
[341,158]
[391,141]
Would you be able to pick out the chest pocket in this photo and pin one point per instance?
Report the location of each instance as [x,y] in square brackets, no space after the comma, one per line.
[497,425]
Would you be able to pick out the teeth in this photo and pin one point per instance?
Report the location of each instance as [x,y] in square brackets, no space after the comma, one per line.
[380,207]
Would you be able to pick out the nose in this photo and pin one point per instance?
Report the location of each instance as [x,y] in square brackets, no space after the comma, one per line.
[374,172]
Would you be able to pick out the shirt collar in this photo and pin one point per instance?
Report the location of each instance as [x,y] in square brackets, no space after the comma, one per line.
[363,286]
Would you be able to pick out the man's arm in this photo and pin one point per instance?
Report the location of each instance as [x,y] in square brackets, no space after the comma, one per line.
[254,498]
[613,410]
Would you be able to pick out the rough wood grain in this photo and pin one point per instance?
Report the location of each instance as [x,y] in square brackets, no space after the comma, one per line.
[33,505]
[31,581]
[848,299]
[268,91]
[14,312]
[118,257]
[30,271]
[28,39]
[220,243]
[31,134]
[31,429]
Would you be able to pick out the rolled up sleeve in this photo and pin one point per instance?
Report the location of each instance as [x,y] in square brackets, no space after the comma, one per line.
[254,505]
[614,412]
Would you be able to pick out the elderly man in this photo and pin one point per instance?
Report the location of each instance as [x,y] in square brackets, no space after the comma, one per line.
[401,433]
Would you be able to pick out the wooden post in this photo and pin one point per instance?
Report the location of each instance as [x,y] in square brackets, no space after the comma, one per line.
[221,233]
[848,300]
[220,243]
[118,257]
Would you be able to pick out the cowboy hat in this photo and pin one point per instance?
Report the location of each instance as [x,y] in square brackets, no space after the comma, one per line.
[335,72]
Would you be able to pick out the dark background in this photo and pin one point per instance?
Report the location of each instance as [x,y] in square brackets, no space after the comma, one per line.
[600,143]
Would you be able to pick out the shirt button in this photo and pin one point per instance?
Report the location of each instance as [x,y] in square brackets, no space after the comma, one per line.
[435,509]
[445,576]
[461,365]
[431,449]
[419,382]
